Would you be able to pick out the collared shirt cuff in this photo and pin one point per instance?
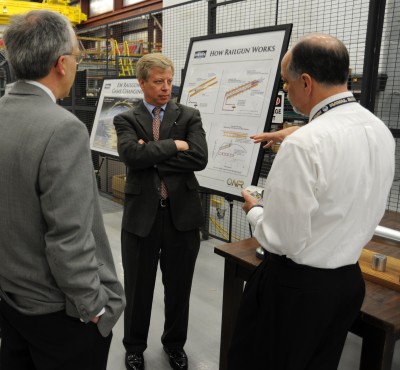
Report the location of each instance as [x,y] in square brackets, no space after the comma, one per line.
[254,215]
[103,310]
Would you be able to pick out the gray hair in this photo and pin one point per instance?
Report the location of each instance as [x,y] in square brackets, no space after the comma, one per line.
[34,41]
[150,61]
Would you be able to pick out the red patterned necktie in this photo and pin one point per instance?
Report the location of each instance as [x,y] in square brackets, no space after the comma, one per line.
[156,134]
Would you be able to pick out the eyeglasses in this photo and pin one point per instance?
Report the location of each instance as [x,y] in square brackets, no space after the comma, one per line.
[78,56]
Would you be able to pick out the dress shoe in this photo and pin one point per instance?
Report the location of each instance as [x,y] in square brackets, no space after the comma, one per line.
[177,358]
[134,361]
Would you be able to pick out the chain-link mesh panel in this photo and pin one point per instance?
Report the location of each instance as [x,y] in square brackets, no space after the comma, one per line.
[192,21]
[6,73]
[113,49]
[387,99]
[345,20]
[394,195]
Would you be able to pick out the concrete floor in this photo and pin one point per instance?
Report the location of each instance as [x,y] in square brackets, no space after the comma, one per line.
[203,342]
[202,346]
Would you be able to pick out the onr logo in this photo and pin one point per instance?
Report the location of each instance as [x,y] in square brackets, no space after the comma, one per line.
[235,183]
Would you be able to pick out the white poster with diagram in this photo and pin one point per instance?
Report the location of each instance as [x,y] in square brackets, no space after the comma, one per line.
[233,80]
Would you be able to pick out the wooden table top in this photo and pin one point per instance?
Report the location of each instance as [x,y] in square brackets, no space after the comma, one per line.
[381,305]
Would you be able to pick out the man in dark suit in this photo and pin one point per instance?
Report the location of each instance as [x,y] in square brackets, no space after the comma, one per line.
[60,295]
[162,212]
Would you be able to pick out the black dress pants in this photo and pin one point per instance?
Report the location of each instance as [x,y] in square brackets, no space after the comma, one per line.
[177,252]
[53,341]
[295,317]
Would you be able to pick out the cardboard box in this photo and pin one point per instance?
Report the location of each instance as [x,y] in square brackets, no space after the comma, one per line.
[118,187]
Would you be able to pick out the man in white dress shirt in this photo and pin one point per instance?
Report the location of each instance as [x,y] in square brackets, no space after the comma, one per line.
[325,194]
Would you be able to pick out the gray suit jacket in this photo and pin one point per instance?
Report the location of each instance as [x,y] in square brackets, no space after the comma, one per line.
[54,252]
[149,162]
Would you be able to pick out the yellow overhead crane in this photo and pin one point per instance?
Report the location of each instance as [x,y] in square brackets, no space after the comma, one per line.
[8,8]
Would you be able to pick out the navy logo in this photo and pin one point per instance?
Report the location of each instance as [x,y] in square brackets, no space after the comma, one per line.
[200,54]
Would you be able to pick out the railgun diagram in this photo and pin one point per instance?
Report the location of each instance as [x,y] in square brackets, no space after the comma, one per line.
[232,146]
[237,91]
[199,88]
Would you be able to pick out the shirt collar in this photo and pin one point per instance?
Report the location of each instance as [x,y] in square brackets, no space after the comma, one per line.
[43,87]
[328,100]
[150,107]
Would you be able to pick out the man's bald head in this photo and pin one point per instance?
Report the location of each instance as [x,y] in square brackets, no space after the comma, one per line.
[323,57]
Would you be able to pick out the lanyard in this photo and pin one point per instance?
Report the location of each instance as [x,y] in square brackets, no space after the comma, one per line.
[334,104]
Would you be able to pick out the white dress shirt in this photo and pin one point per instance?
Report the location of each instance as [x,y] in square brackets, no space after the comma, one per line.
[327,188]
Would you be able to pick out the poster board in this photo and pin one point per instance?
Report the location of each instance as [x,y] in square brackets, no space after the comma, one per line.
[117,96]
[233,80]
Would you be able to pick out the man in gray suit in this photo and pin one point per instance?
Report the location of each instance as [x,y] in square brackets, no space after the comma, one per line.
[60,295]
[162,143]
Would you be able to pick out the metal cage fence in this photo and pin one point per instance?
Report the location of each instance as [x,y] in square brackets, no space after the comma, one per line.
[111,51]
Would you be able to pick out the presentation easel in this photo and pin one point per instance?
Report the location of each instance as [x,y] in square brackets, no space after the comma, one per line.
[233,80]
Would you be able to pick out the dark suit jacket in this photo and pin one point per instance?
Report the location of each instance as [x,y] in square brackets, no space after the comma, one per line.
[149,162]
[54,251]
